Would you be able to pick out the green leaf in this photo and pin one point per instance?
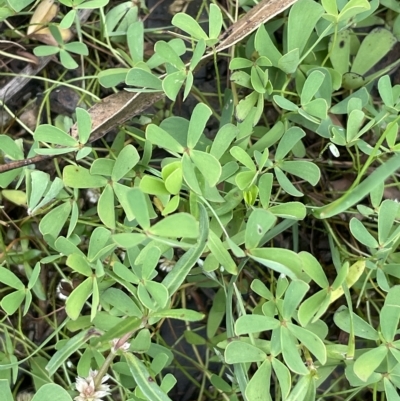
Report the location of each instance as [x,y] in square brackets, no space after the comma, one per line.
[311,86]
[248,324]
[373,48]
[50,134]
[78,297]
[288,210]
[135,38]
[216,313]
[176,226]
[288,141]
[300,390]
[126,160]
[158,293]
[112,76]
[304,169]
[178,274]
[316,108]
[84,123]
[215,22]
[243,157]
[172,84]
[71,346]
[285,183]
[258,387]
[39,182]
[10,148]
[223,139]
[149,185]
[342,107]
[245,106]
[80,177]
[180,314]
[143,379]
[241,352]
[118,299]
[198,120]
[283,375]
[354,123]
[265,46]
[260,221]
[300,28]
[208,165]
[198,53]
[79,264]
[50,392]
[313,343]
[67,61]
[314,307]
[11,302]
[221,254]
[189,174]
[239,63]
[390,314]
[340,50]
[259,79]
[387,214]
[314,269]
[366,364]
[77,48]
[245,179]
[354,195]
[44,51]
[128,240]
[98,242]
[5,391]
[352,8]
[385,90]
[142,78]
[293,296]
[290,352]
[281,260]
[129,324]
[361,234]
[289,62]
[168,54]
[53,222]
[106,208]
[189,25]
[8,278]
[163,139]
[140,208]
[361,328]
[391,392]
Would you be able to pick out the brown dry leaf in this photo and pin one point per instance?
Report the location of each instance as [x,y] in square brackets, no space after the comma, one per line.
[28,57]
[177,6]
[260,14]
[44,35]
[44,13]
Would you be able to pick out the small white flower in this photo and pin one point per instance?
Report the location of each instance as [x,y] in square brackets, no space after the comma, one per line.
[115,347]
[166,265]
[334,150]
[87,389]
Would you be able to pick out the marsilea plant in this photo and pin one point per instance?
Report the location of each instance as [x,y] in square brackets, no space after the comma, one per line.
[307,101]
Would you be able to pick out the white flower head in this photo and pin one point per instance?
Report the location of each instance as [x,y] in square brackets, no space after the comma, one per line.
[87,389]
[115,346]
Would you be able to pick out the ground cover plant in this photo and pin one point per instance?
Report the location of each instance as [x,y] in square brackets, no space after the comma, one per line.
[202,206]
